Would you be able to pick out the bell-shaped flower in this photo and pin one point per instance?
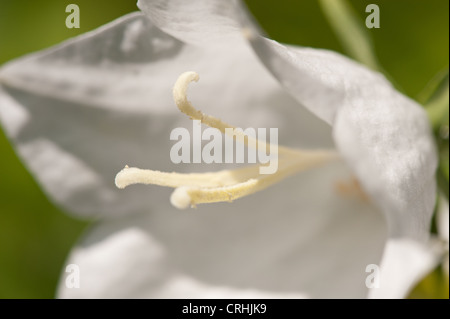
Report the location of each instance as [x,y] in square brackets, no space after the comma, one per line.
[78,112]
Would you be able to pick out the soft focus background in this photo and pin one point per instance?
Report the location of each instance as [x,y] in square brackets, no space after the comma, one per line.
[412,45]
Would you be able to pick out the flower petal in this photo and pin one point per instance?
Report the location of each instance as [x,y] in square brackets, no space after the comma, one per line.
[199,22]
[79,112]
[301,239]
[384,136]
[405,262]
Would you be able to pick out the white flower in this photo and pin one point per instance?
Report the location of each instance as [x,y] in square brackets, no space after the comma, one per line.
[79,112]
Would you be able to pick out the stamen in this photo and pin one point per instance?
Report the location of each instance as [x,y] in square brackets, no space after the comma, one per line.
[226,185]
[180,98]
[133,175]
[184,196]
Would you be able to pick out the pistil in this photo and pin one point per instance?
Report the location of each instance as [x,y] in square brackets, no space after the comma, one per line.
[226,185]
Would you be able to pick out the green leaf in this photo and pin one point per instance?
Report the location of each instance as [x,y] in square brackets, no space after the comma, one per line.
[433,286]
[436,98]
[437,83]
[350,31]
[443,170]
[436,94]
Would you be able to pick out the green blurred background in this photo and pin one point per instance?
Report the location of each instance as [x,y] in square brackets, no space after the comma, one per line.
[35,237]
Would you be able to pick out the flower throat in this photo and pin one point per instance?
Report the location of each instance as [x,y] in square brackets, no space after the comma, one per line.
[225,185]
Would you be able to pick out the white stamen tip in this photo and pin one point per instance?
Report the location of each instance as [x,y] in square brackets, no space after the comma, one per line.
[180,198]
[123,178]
[180,88]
